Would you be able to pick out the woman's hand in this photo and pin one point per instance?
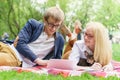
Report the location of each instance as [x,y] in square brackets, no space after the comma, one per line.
[107,67]
[41,62]
[96,66]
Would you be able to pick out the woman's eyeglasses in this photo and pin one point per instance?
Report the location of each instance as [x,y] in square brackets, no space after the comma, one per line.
[88,35]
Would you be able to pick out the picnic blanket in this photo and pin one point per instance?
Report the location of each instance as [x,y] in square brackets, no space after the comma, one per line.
[65,73]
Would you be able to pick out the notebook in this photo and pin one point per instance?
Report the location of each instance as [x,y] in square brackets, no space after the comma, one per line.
[61,64]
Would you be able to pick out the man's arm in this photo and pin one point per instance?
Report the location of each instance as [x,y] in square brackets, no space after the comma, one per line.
[24,38]
[59,45]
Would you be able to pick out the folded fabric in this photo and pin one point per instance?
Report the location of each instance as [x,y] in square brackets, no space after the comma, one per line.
[116,65]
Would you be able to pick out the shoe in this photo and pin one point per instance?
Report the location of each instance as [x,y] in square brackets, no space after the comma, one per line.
[65,30]
[77,27]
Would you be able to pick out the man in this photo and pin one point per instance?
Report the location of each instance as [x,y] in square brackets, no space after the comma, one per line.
[38,42]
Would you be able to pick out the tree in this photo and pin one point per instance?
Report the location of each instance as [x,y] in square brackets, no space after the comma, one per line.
[109,14]
[15,13]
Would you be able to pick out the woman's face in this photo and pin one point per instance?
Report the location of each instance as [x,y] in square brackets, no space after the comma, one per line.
[89,38]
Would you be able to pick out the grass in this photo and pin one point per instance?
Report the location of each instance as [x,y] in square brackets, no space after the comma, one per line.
[14,75]
[116,51]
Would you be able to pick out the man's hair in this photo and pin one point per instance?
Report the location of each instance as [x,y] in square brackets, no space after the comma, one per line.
[103,49]
[54,12]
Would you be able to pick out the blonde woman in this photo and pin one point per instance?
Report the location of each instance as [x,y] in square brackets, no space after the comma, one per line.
[96,42]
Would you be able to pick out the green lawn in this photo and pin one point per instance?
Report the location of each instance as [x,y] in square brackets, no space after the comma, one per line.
[116,51]
[13,75]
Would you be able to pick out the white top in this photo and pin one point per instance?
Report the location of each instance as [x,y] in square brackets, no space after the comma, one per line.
[78,51]
[41,47]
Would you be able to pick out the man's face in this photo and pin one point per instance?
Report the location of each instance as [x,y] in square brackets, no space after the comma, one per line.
[89,38]
[51,26]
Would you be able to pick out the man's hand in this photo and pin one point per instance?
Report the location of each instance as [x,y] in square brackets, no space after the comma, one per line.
[41,62]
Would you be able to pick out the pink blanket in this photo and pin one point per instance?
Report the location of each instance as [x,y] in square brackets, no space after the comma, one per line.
[66,73]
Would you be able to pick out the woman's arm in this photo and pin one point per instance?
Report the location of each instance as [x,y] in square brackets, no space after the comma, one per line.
[75,55]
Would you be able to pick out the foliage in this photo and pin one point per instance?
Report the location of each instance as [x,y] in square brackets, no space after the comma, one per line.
[109,14]
[15,13]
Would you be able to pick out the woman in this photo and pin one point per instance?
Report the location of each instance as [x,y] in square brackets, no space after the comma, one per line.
[96,42]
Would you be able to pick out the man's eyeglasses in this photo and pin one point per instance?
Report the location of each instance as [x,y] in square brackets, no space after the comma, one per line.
[52,25]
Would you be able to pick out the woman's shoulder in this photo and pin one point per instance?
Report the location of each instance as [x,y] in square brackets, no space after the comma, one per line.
[79,42]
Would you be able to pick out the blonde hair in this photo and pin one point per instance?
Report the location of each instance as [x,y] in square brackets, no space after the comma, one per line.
[103,48]
[54,12]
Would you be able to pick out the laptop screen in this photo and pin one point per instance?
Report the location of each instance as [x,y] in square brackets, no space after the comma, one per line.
[61,64]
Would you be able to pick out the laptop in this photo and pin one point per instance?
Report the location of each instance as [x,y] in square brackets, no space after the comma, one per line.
[61,64]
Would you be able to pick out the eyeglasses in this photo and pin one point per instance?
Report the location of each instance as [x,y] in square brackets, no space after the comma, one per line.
[52,25]
[88,36]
